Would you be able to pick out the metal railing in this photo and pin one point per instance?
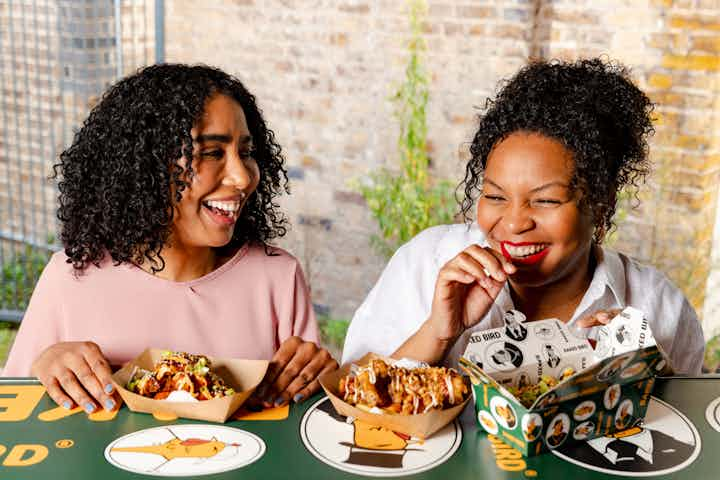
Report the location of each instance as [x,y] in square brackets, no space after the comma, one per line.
[56,59]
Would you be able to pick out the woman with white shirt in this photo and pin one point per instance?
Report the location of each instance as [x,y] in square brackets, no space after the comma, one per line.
[548,159]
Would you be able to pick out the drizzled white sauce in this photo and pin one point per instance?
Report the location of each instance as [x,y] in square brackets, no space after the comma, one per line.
[450,389]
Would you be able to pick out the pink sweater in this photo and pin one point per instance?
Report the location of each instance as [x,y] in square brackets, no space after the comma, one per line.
[244,309]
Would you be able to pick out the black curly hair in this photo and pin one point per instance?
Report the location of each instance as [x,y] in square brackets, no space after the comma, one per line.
[117,177]
[592,108]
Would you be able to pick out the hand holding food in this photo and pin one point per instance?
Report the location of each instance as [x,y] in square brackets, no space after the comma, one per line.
[76,373]
[395,389]
[293,372]
[179,371]
[465,290]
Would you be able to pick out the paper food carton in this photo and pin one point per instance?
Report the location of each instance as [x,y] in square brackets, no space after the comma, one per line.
[608,392]
[242,375]
[420,425]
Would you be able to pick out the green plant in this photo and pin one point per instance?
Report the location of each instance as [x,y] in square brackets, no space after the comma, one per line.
[19,275]
[712,355]
[333,330]
[7,335]
[407,202]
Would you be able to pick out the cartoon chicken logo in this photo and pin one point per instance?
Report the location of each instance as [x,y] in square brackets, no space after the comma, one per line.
[185,449]
[179,448]
[354,446]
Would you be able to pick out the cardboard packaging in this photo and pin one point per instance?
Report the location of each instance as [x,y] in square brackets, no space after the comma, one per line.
[421,425]
[609,391]
[242,375]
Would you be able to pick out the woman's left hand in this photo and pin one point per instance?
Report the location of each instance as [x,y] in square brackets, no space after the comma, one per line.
[293,372]
[600,317]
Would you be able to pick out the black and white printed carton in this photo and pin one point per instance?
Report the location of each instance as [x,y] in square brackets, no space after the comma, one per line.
[608,392]
[521,353]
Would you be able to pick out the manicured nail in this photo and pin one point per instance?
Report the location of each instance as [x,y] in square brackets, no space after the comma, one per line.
[67,405]
[109,404]
[89,407]
[279,402]
[109,388]
[298,397]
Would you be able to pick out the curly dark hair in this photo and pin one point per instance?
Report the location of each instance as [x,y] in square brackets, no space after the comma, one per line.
[592,108]
[117,177]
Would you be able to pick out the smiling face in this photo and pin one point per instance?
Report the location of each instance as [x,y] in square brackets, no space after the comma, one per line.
[225,175]
[529,211]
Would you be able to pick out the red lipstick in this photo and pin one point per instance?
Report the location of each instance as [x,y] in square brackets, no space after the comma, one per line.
[529,260]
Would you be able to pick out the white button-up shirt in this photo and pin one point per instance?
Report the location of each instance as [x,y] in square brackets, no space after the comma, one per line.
[401,300]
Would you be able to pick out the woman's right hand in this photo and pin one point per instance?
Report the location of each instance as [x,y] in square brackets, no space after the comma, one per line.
[466,288]
[76,373]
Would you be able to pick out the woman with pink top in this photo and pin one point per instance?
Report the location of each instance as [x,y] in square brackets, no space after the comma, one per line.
[167,202]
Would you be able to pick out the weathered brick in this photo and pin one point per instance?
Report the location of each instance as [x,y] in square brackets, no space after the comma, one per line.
[692,62]
[657,80]
[709,44]
[695,23]
[469,12]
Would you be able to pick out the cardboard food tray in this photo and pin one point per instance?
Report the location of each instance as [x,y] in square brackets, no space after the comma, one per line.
[609,395]
[420,425]
[242,375]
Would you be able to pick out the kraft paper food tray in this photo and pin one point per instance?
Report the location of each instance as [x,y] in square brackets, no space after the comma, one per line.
[421,425]
[242,375]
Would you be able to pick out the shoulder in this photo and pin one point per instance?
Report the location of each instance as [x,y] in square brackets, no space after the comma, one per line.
[442,242]
[270,259]
[648,289]
[643,277]
[59,266]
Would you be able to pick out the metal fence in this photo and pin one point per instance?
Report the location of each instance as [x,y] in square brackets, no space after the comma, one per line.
[56,58]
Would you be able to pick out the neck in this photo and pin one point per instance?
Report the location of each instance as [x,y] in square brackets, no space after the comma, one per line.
[557,299]
[183,264]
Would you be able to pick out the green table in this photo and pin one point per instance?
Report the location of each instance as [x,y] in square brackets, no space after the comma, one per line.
[682,434]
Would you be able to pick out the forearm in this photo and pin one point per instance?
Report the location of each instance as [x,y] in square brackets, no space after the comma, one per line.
[424,345]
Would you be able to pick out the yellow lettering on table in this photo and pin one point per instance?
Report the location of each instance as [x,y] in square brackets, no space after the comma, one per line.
[64,443]
[103,415]
[17,456]
[2,450]
[57,413]
[511,465]
[20,405]
[508,454]
[164,416]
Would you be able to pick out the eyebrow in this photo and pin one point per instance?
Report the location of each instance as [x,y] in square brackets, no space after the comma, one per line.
[536,189]
[223,138]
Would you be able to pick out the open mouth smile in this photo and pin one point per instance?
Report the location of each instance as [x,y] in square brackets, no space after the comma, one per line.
[525,253]
[223,212]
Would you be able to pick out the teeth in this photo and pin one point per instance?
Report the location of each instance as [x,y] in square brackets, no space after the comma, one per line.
[525,250]
[230,208]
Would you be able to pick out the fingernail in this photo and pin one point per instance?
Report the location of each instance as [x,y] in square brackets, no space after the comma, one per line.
[298,397]
[89,407]
[109,388]
[279,402]
[109,404]
[67,405]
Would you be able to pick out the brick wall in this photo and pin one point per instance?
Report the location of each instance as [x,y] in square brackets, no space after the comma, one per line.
[323,72]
